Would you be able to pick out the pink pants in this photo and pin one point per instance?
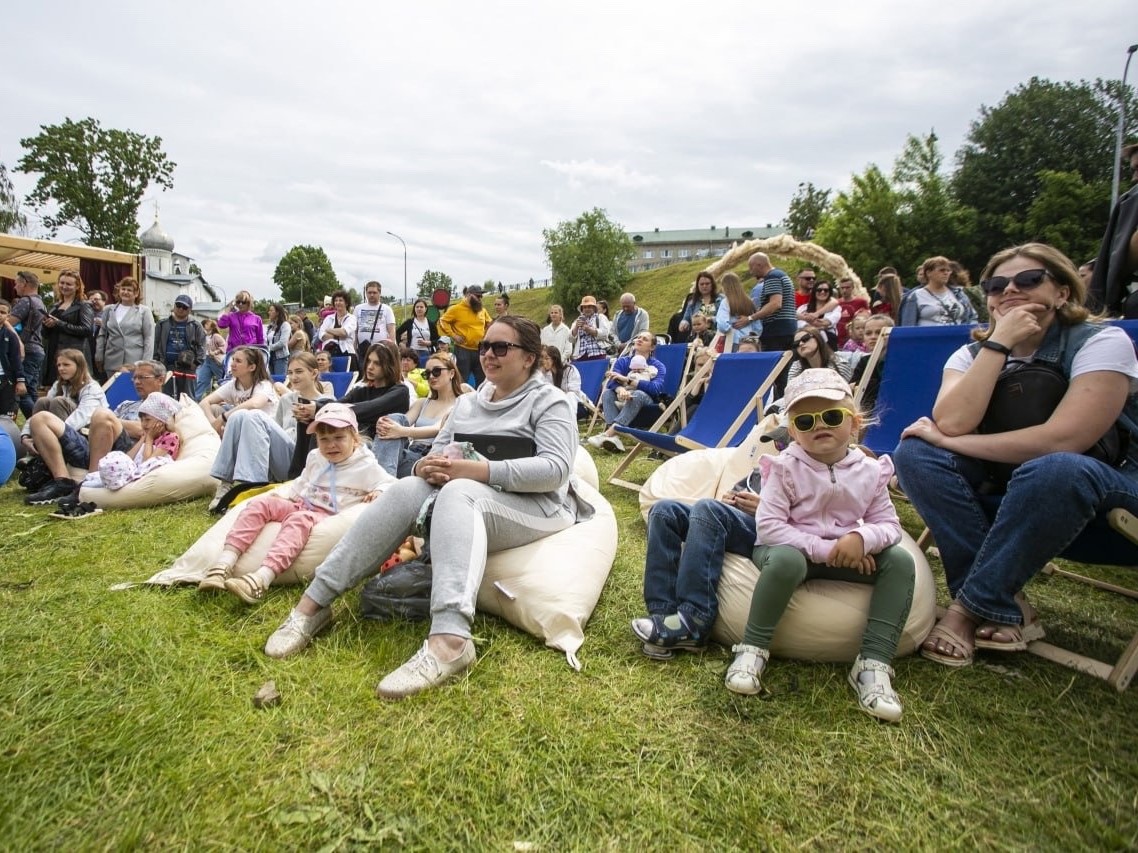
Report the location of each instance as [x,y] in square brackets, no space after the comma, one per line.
[296,520]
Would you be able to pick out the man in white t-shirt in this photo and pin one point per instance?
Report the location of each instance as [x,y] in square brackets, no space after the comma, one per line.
[375,321]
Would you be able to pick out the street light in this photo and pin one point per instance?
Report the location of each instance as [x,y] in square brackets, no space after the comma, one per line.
[1121,126]
[400,239]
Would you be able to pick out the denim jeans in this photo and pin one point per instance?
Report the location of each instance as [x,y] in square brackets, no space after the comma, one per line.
[626,415]
[33,364]
[254,449]
[208,371]
[1049,501]
[684,559]
[397,456]
[469,365]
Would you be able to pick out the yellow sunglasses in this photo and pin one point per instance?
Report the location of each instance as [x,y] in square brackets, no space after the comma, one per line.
[808,421]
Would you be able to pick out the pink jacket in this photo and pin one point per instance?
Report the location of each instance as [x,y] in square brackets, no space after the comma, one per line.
[809,505]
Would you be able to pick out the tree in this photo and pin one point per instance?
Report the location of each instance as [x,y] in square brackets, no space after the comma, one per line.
[1061,210]
[589,255]
[1040,126]
[11,219]
[807,207]
[866,226]
[93,179]
[939,224]
[432,281]
[305,273]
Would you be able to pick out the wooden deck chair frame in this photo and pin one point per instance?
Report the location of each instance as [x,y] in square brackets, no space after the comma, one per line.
[874,358]
[1118,674]
[679,394]
[754,402]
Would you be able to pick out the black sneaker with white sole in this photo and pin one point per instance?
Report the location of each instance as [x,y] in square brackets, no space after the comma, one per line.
[51,493]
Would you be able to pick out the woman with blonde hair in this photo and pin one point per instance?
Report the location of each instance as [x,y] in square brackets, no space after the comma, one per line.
[127,333]
[735,310]
[245,327]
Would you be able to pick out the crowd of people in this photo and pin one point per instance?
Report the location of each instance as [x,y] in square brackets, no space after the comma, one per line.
[404,437]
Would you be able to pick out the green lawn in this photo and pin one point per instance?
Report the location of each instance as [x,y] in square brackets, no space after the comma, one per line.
[126,721]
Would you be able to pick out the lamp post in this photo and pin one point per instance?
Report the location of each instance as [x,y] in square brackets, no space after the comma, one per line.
[1121,126]
[400,239]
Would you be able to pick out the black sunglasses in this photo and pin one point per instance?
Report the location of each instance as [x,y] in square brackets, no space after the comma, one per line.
[831,418]
[800,341]
[499,348]
[1023,280]
[435,372]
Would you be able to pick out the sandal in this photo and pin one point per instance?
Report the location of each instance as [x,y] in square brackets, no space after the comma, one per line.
[1020,635]
[942,633]
[876,697]
[216,576]
[249,588]
[664,635]
[746,672]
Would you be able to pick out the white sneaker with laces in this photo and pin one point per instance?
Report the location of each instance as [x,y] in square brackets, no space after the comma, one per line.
[424,671]
[297,632]
[746,671]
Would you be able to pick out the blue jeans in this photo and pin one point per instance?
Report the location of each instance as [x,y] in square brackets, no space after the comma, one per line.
[33,363]
[254,449]
[626,415]
[208,371]
[989,558]
[684,558]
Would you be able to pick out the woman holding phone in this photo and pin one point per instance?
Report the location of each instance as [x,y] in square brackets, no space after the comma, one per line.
[488,505]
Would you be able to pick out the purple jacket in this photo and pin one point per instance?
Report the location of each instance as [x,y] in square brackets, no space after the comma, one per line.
[809,505]
[245,329]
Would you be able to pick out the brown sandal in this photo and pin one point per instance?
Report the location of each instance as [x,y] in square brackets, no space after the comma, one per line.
[1020,635]
[941,632]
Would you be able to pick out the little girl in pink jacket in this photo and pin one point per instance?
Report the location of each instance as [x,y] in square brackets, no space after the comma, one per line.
[824,512]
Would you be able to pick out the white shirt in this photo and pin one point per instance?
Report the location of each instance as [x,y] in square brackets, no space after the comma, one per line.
[366,316]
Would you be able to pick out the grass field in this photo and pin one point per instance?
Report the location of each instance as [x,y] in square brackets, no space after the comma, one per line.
[126,722]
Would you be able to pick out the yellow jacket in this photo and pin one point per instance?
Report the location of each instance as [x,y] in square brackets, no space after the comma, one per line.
[461,321]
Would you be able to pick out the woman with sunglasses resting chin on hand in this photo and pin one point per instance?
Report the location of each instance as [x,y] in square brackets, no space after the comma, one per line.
[480,506]
[1035,297]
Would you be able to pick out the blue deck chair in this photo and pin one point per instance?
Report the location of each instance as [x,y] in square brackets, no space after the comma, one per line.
[738,383]
[340,363]
[910,379]
[278,377]
[119,389]
[675,358]
[341,381]
[592,378]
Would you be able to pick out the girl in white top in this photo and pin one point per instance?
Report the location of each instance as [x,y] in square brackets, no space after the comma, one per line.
[556,333]
[250,388]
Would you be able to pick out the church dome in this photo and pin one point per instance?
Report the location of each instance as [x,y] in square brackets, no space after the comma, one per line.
[155,238]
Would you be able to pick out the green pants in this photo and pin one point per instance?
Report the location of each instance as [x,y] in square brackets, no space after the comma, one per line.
[783,568]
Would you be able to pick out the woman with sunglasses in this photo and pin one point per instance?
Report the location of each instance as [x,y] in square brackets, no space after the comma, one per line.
[402,440]
[480,506]
[245,327]
[824,512]
[937,302]
[821,311]
[812,349]
[947,467]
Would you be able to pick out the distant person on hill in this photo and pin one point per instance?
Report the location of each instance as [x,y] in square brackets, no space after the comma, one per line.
[465,323]
[774,303]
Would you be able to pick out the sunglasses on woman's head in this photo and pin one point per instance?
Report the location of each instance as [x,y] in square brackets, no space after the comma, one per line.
[499,348]
[808,421]
[435,372]
[1023,280]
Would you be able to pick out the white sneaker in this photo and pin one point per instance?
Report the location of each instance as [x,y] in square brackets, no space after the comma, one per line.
[422,672]
[223,488]
[611,442]
[296,633]
[746,671]
[875,695]
[217,575]
[249,588]
[595,440]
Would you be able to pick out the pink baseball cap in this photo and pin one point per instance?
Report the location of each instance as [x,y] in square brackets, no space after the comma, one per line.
[335,415]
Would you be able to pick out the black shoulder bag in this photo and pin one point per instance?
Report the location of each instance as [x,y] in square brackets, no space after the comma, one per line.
[1026,395]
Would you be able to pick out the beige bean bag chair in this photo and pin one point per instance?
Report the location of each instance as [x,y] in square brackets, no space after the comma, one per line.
[825,619]
[547,588]
[185,478]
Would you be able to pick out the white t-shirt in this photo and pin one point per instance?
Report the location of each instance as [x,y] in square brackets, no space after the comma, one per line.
[229,393]
[1110,350]
[366,315]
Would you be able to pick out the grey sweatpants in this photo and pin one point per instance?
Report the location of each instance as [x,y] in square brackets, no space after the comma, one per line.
[470,520]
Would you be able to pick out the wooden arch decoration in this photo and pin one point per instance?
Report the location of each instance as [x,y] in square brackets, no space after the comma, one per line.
[787,247]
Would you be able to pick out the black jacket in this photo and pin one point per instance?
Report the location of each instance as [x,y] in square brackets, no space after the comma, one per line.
[195,340]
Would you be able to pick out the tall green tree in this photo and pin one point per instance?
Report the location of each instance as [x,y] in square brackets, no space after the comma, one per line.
[807,207]
[93,179]
[1039,127]
[866,225]
[305,275]
[1063,209]
[433,280]
[939,224]
[11,219]
[588,255]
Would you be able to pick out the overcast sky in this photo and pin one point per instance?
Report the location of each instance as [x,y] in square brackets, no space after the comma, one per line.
[468,128]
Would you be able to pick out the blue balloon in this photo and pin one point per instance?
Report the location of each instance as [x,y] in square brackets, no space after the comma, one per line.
[7,457]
